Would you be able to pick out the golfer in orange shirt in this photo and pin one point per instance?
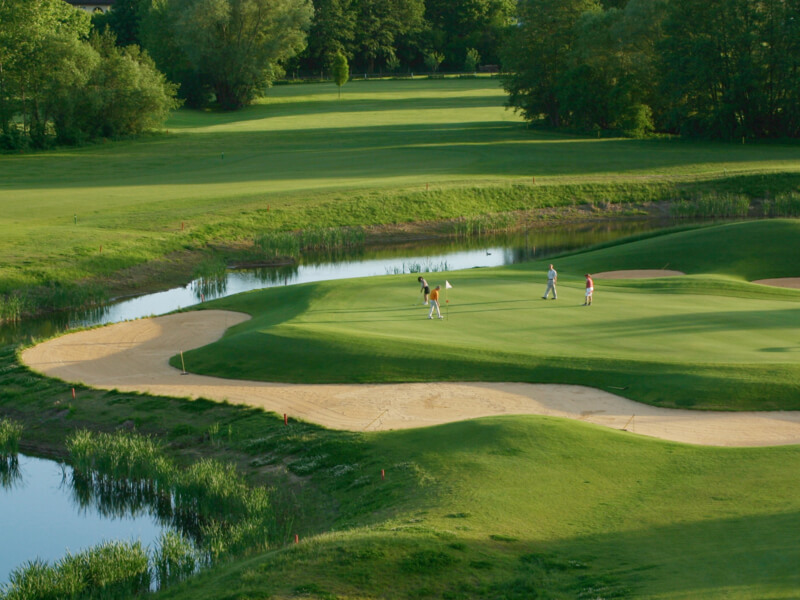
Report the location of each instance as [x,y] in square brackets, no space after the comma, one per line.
[435,302]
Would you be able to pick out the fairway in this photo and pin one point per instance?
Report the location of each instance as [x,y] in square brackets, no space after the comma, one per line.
[301,157]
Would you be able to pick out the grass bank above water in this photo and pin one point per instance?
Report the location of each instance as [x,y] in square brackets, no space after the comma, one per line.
[135,215]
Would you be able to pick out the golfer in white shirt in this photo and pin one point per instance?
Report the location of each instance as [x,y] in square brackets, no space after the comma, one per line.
[552,277]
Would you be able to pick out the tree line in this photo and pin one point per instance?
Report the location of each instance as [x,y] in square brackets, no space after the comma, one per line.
[724,69]
[229,50]
[62,83]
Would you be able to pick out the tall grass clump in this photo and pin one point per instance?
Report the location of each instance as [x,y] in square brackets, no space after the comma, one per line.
[11,308]
[10,434]
[112,570]
[712,205]
[332,238]
[784,205]
[416,267]
[282,244]
[278,244]
[210,278]
[209,502]
[174,559]
[484,224]
[56,296]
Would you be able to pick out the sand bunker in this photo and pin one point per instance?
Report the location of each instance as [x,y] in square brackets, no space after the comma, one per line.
[637,274]
[787,282]
[132,356]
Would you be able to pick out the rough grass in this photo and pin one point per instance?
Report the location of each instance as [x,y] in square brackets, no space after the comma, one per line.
[706,340]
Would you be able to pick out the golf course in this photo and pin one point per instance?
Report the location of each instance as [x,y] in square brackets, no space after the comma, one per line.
[490,499]
[139,214]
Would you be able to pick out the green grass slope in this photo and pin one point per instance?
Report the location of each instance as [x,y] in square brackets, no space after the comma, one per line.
[302,157]
[531,507]
[706,340]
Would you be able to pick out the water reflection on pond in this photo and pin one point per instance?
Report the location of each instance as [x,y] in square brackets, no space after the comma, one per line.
[42,514]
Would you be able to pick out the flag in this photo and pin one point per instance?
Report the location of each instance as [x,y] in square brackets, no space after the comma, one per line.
[447,285]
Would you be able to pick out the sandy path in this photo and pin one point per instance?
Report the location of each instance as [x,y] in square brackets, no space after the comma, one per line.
[787,282]
[132,356]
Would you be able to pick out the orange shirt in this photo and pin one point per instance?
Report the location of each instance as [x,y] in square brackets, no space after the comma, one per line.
[435,295]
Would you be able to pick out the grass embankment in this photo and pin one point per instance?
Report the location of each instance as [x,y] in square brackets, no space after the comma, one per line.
[131,215]
[707,340]
[510,507]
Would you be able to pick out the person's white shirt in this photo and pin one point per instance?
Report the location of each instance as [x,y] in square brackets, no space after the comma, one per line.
[551,274]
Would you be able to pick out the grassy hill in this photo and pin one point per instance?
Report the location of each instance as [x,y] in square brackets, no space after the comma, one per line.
[706,340]
[302,158]
[530,507]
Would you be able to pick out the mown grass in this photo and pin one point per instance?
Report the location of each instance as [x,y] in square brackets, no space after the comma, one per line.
[706,340]
[508,507]
[388,152]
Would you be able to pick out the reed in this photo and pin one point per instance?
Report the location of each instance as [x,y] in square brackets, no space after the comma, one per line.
[210,278]
[427,266]
[468,227]
[283,244]
[10,434]
[332,238]
[209,501]
[174,559]
[277,244]
[783,205]
[112,570]
[12,308]
[712,205]
[55,296]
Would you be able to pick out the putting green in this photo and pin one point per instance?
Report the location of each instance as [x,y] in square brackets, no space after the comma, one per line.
[705,340]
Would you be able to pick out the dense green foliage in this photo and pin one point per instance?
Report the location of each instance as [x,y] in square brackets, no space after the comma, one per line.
[721,68]
[708,340]
[341,71]
[226,49]
[57,86]
[398,34]
[374,35]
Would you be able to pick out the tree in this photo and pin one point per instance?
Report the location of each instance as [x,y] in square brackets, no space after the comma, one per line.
[381,23]
[538,53]
[124,21]
[457,25]
[433,59]
[341,71]
[66,89]
[332,31]
[471,60]
[232,48]
[730,67]
[39,43]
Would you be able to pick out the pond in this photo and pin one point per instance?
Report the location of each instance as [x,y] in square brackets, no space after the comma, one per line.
[43,515]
